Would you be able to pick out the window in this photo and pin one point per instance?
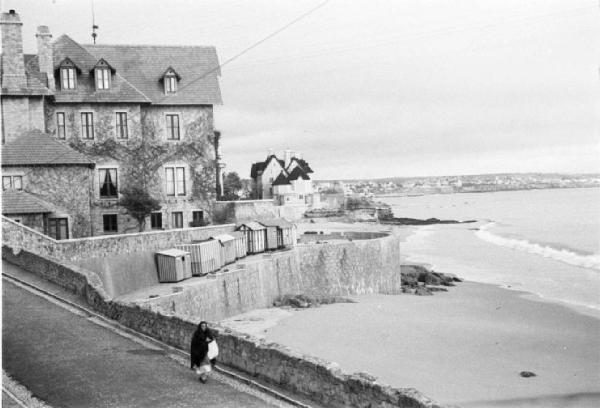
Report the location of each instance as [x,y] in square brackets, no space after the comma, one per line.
[170,84]
[12,182]
[61,131]
[175,181]
[122,125]
[58,228]
[177,219]
[173,127]
[108,183]
[102,77]
[67,78]
[87,125]
[197,217]
[110,222]
[156,220]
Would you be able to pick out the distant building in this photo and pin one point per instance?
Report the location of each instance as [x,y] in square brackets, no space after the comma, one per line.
[286,180]
[124,115]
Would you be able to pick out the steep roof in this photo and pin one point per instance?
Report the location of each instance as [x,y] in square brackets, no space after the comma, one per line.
[281,180]
[21,202]
[121,90]
[304,164]
[144,67]
[35,148]
[298,173]
[261,166]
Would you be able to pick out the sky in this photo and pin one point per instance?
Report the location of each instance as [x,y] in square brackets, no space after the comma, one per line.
[379,88]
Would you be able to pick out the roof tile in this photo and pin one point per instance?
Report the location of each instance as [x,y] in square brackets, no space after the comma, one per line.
[21,202]
[35,148]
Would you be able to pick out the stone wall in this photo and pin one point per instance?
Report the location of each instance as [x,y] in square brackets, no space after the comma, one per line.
[247,210]
[18,237]
[316,379]
[341,268]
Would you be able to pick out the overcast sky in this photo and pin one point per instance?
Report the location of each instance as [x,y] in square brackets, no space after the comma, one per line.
[376,88]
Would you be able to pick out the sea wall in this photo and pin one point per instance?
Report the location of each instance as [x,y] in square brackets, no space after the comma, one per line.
[316,379]
[17,236]
[247,210]
[342,268]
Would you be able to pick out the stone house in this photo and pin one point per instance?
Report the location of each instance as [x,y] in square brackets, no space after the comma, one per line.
[41,173]
[286,181]
[142,115]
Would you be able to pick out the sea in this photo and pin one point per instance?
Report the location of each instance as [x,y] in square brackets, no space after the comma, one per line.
[543,242]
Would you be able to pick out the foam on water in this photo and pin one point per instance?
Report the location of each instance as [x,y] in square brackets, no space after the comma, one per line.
[562,255]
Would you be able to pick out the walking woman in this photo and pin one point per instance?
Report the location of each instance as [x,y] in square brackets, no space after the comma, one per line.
[199,352]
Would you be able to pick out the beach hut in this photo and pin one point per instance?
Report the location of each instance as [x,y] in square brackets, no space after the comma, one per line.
[195,257]
[240,244]
[255,236]
[227,247]
[210,256]
[173,265]
[280,233]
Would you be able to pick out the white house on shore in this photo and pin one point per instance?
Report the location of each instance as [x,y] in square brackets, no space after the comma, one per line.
[286,180]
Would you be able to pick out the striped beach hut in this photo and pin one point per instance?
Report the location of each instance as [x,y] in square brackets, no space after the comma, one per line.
[280,233]
[240,244]
[208,256]
[255,236]
[173,265]
[227,247]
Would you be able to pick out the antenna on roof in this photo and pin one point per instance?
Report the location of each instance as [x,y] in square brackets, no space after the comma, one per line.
[94,26]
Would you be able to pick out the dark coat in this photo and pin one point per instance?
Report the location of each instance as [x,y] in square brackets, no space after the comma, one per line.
[199,346]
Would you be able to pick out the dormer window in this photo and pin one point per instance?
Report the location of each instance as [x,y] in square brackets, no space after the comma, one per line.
[170,79]
[68,74]
[102,74]
[102,78]
[170,84]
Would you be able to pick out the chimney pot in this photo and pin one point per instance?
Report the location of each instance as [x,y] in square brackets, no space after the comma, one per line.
[11,11]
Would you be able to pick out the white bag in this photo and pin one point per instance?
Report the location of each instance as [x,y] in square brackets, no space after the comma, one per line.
[213,350]
[204,369]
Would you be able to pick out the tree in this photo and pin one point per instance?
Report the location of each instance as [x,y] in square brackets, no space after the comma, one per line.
[232,184]
[138,203]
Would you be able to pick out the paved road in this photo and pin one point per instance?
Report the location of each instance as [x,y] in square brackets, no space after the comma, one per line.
[68,361]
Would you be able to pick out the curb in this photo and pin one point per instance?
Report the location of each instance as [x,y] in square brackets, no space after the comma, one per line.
[117,327]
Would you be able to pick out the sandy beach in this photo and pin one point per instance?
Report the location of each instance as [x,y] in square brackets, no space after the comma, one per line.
[466,346]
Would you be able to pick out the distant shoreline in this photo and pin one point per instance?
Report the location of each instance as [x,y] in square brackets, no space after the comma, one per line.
[476,192]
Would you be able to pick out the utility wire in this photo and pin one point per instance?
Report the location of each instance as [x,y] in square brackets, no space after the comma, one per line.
[229,60]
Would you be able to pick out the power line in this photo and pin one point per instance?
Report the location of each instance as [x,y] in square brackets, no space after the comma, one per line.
[229,60]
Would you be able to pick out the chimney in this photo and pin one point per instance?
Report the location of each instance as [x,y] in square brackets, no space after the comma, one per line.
[298,155]
[287,157]
[13,68]
[270,152]
[45,59]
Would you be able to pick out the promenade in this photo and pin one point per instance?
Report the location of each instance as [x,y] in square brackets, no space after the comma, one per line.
[69,359]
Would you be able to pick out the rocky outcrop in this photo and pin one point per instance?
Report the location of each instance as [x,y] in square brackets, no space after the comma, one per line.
[304,301]
[416,221]
[421,281]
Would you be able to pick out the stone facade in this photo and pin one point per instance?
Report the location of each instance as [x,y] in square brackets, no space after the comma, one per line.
[70,199]
[144,155]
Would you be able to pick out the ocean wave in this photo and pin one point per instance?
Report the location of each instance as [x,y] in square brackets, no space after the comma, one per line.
[562,255]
